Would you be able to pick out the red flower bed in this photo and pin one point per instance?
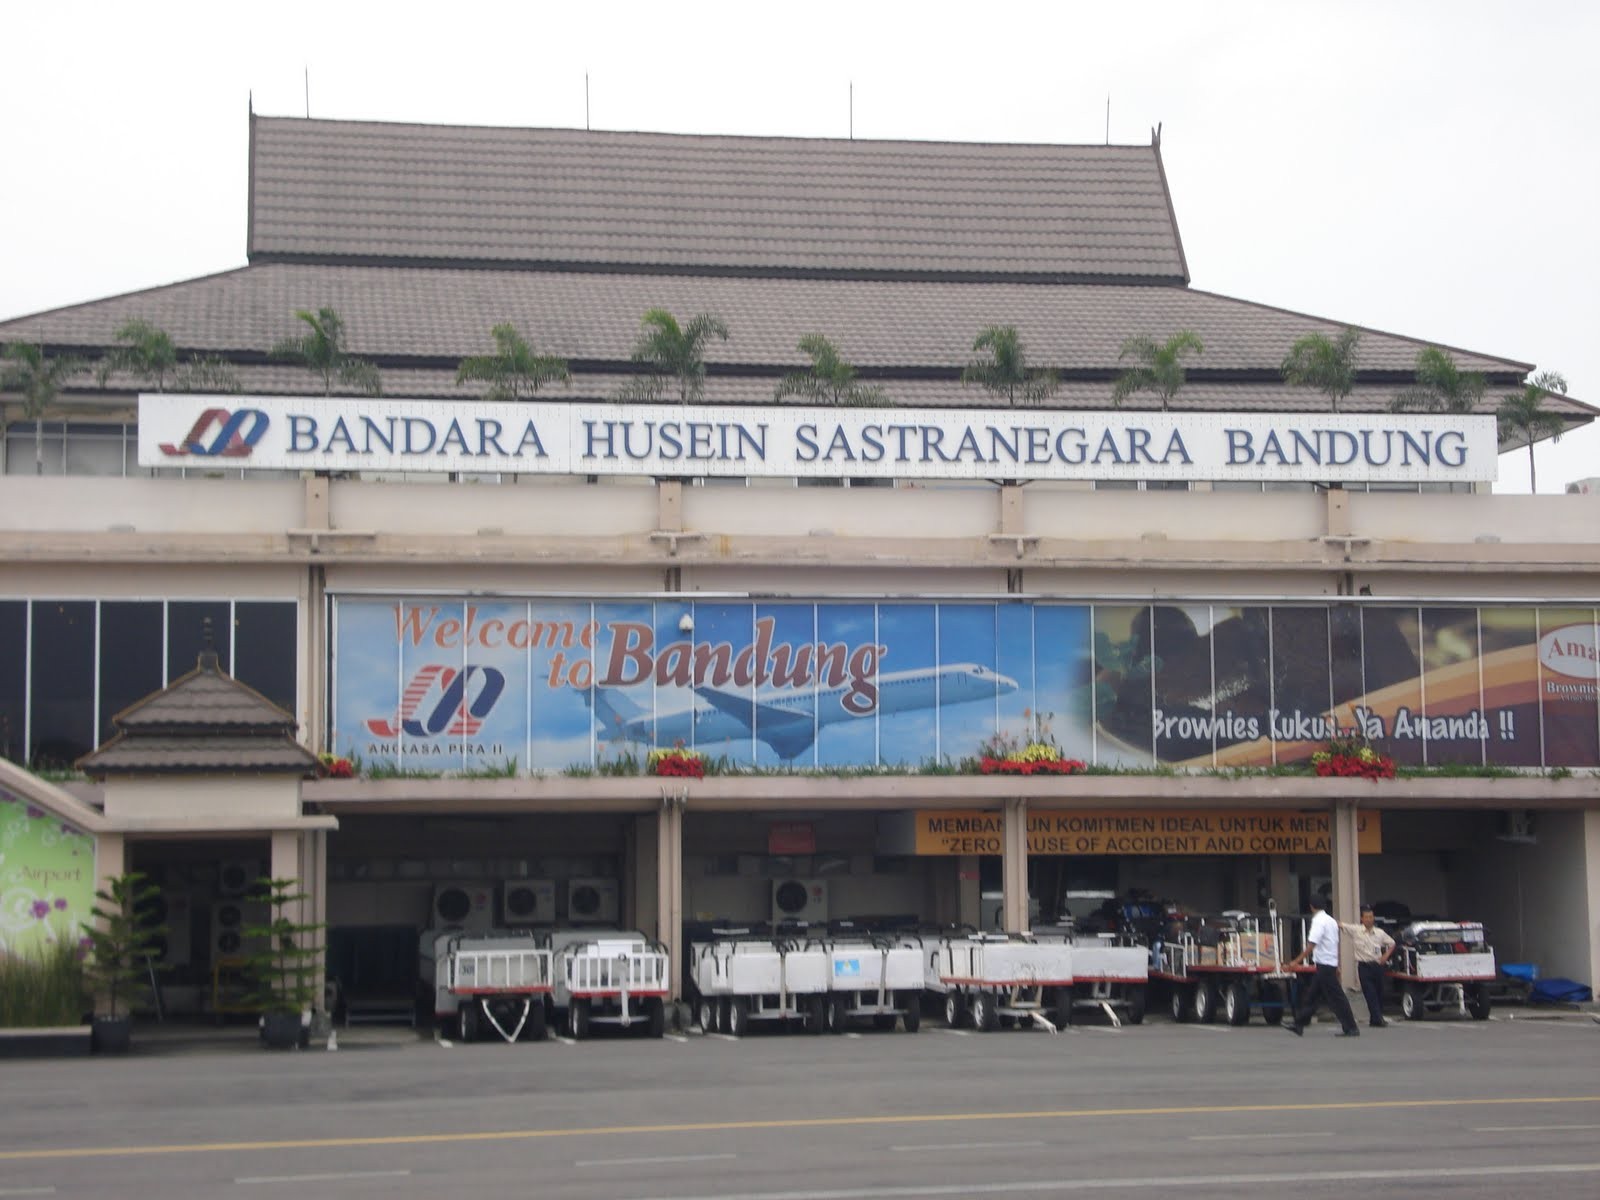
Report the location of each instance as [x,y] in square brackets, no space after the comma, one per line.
[1354,766]
[680,766]
[1043,766]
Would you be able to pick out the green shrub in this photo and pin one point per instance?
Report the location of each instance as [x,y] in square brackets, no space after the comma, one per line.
[42,987]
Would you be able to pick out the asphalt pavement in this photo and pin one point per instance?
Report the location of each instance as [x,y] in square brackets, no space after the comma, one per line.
[1451,1107]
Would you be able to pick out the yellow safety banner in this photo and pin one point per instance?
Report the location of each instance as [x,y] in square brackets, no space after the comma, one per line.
[1175,831]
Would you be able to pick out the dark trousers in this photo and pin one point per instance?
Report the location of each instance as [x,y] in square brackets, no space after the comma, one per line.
[1372,988]
[1324,985]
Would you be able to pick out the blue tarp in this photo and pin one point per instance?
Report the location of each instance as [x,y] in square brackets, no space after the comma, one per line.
[1559,991]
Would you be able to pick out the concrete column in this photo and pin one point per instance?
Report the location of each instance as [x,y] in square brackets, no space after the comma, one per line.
[1281,883]
[669,883]
[1014,865]
[1345,852]
[1591,859]
[110,859]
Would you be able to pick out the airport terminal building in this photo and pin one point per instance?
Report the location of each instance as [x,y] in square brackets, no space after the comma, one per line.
[844,594]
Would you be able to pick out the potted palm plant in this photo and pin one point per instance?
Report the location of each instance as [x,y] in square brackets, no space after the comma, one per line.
[284,965]
[122,943]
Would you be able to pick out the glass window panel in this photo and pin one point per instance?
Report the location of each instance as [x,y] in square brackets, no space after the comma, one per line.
[1451,697]
[1122,666]
[1184,687]
[94,450]
[186,627]
[62,702]
[264,649]
[130,657]
[1301,688]
[1567,686]
[1509,638]
[1391,655]
[13,679]
[24,444]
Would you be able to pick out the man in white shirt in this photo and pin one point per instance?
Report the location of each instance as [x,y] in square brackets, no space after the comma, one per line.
[1322,944]
[1373,947]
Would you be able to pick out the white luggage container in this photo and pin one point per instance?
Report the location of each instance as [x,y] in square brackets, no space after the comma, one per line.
[876,979]
[1108,975]
[739,978]
[1000,978]
[499,980]
[608,977]
[1443,966]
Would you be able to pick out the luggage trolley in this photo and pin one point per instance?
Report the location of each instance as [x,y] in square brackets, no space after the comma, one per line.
[1443,966]
[739,978]
[998,978]
[1229,968]
[873,978]
[1110,973]
[501,981]
[608,977]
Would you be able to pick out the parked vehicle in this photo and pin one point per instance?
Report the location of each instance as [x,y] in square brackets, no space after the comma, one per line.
[499,981]
[608,977]
[739,977]
[876,979]
[1110,974]
[997,979]
[1442,966]
[1227,966]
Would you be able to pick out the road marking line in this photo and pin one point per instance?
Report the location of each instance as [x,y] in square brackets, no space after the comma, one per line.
[1250,1137]
[663,1158]
[565,1041]
[722,1037]
[320,1178]
[1528,1128]
[1155,1182]
[676,1037]
[28,1191]
[529,1135]
[962,1146]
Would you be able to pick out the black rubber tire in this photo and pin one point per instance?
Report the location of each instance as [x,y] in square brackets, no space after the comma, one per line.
[706,1011]
[578,1019]
[655,1017]
[985,1012]
[470,1021]
[817,1014]
[955,1009]
[1273,1004]
[1236,1003]
[1178,1002]
[838,1013]
[1204,1003]
[538,1026]
[1137,998]
[738,1016]
[911,1011]
[1411,1006]
[1478,1004]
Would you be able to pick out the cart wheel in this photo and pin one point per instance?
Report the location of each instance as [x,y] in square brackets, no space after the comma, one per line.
[537,1028]
[910,1010]
[1205,1003]
[655,1017]
[1411,1006]
[1478,1001]
[1178,1001]
[1272,1003]
[817,1014]
[578,1019]
[1136,1003]
[985,1014]
[708,1015]
[838,1013]
[738,1016]
[955,1009]
[1063,1005]
[469,1021]
[1236,1004]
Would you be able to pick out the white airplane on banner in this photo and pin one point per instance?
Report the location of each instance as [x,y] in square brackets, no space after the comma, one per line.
[788,720]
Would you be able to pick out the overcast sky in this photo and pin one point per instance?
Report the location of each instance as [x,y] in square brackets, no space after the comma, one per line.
[1430,169]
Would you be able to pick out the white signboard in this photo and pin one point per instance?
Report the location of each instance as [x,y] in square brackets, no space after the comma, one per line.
[280,433]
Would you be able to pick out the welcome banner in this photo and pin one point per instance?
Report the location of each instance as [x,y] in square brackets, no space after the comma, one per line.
[549,684]
[47,879]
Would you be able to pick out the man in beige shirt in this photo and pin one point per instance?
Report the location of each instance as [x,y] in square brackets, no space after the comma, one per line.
[1373,947]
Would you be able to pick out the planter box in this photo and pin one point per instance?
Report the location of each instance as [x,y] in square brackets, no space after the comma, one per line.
[46,1041]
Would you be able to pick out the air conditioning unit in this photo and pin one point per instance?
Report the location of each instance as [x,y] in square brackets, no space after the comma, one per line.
[1517,825]
[592,901]
[173,909]
[527,902]
[468,907]
[229,921]
[237,876]
[799,900]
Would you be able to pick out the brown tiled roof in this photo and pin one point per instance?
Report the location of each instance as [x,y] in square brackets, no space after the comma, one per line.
[359,190]
[158,754]
[399,313]
[204,721]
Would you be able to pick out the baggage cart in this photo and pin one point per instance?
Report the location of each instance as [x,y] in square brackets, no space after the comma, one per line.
[739,978]
[1110,972]
[1443,966]
[873,979]
[1227,967]
[997,979]
[608,977]
[496,981]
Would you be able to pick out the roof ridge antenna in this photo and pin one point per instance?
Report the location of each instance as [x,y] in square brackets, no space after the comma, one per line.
[1155,135]
[1108,118]
[208,647]
[852,110]
[586,102]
